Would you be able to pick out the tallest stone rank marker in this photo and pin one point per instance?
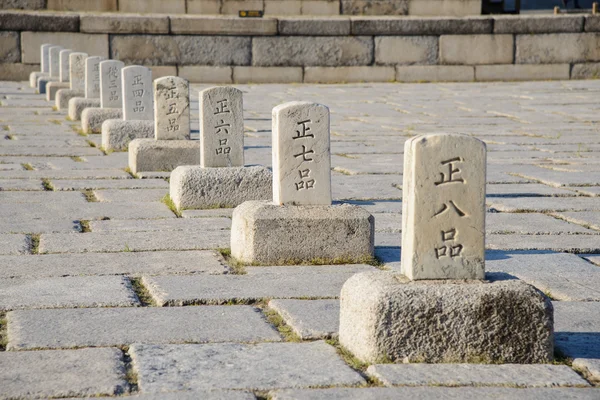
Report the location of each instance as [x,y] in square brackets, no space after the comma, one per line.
[63,75]
[301,225]
[44,67]
[76,81]
[111,104]
[92,89]
[443,208]
[221,180]
[172,146]
[442,310]
[138,110]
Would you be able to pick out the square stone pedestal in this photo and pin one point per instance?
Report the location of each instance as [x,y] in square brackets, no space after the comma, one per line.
[196,187]
[78,104]
[53,87]
[151,155]
[117,134]
[43,81]
[93,118]
[385,316]
[269,234]
[64,95]
[33,77]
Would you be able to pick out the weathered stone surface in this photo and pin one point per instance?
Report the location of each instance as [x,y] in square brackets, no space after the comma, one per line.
[421,26]
[78,104]
[310,319]
[34,374]
[77,71]
[221,127]
[124,23]
[206,74]
[348,74]
[312,51]
[585,71]
[52,88]
[557,48]
[33,76]
[92,184]
[576,331]
[536,375]
[437,73]
[93,118]
[265,233]
[301,154]
[116,133]
[63,96]
[240,366]
[314,26]
[592,23]
[374,7]
[590,367]
[406,50]
[538,24]
[37,21]
[82,5]
[171,108]
[182,50]
[14,244]
[505,320]
[137,93]
[522,72]
[259,283]
[195,187]
[54,57]
[320,7]
[476,49]
[102,291]
[43,81]
[267,74]
[96,44]
[9,46]
[92,77]
[111,84]
[454,8]
[443,207]
[222,25]
[130,263]
[162,155]
[152,6]
[99,327]
[168,224]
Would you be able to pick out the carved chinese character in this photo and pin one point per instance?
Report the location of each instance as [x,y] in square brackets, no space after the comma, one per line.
[303,129]
[453,206]
[450,178]
[222,107]
[449,250]
[305,184]
[172,109]
[304,153]
[137,80]
[222,127]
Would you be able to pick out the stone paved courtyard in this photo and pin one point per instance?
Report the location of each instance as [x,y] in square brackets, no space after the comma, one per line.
[105,291]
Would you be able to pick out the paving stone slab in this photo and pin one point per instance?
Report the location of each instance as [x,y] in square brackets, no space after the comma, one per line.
[21,184]
[66,198]
[216,212]
[589,219]
[101,291]
[94,184]
[365,187]
[171,224]
[102,242]
[324,282]
[565,277]
[61,373]
[310,319]
[194,395]
[446,393]
[130,195]
[534,375]
[240,366]
[593,258]
[543,204]
[14,244]
[39,226]
[530,224]
[68,174]
[577,328]
[590,367]
[48,151]
[557,243]
[525,190]
[129,263]
[99,327]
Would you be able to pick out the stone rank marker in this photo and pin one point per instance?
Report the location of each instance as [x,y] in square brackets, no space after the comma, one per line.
[39,80]
[92,77]
[443,209]
[221,127]
[301,154]
[111,88]
[171,108]
[77,70]
[64,65]
[55,61]
[45,57]
[59,65]
[137,93]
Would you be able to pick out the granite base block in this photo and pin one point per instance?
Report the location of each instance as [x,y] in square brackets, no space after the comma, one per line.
[43,81]
[386,317]
[64,95]
[93,118]
[78,104]
[195,187]
[162,155]
[269,234]
[116,133]
[33,78]
[53,87]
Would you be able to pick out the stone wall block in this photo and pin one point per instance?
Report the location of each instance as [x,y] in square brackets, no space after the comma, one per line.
[320,7]
[206,74]
[22,4]
[9,47]
[124,23]
[348,74]
[203,6]
[96,44]
[476,49]
[374,7]
[522,72]
[454,8]
[314,26]
[17,72]
[558,48]
[217,25]
[181,50]
[39,21]
[82,5]
[435,73]
[268,74]
[283,7]
[538,24]
[592,23]
[421,26]
[586,71]
[235,6]
[406,50]
[312,51]
[153,6]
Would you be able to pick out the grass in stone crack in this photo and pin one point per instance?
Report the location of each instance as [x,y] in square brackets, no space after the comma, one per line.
[85,226]
[237,268]
[131,375]
[34,243]
[47,185]
[55,121]
[77,159]
[77,130]
[9,137]
[128,170]
[169,203]
[3,331]
[90,196]
[28,167]
[142,292]
[276,320]
[355,363]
